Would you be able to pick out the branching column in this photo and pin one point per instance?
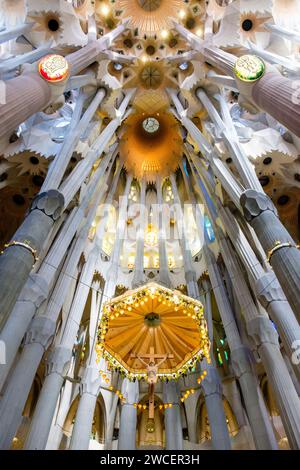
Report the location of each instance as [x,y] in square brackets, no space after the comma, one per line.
[30,93]
[58,362]
[212,386]
[272,93]
[260,425]
[279,246]
[277,305]
[110,286]
[35,292]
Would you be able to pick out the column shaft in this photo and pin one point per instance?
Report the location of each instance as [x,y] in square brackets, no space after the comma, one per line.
[81,434]
[278,96]
[128,419]
[17,261]
[140,240]
[173,425]
[277,243]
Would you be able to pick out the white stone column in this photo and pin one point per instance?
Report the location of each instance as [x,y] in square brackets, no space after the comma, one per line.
[32,299]
[110,286]
[107,204]
[22,373]
[56,370]
[89,391]
[213,395]
[78,126]
[13,401]
[173,425]
[221,439]
[128,419]
[228,132]
[190,274]
[17,260]
[287,399]
[163,257]
[74,181]
[138,278]
[265,284]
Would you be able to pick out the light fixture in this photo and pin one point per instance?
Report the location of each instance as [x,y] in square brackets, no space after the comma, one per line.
[104,10]
[151,125]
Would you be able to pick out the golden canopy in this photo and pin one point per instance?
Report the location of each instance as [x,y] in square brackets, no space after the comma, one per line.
[153,318]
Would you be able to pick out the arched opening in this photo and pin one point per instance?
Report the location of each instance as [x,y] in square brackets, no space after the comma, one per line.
[150,434]
[203,425]
[274,413]
[21,435]
[98,430]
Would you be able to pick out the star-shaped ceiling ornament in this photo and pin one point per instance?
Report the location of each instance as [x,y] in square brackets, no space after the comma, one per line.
[251,24]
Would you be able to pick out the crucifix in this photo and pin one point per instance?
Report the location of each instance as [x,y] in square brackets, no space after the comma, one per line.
[152,371]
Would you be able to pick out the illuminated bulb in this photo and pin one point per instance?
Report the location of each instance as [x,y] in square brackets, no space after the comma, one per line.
[164,34]
[199,32]
[144,59]
[182,14]
[104,10]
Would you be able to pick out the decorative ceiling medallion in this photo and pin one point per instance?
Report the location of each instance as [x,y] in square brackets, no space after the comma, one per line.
[151,77]
[249,68]
[150,16]
[151,125]
[150,5]
[54,68]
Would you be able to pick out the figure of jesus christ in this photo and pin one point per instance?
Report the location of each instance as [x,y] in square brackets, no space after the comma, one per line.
[152,366]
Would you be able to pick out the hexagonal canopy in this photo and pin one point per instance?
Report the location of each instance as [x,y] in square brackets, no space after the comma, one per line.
[153,319]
